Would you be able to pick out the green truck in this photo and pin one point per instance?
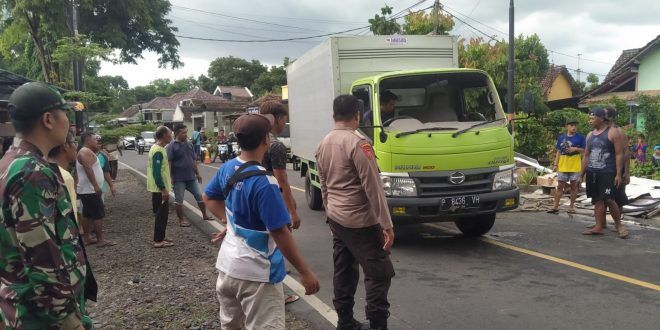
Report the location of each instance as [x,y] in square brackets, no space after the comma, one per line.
[445,155]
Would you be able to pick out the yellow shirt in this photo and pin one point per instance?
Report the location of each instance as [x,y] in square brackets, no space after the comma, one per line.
[70,185]
[569,164]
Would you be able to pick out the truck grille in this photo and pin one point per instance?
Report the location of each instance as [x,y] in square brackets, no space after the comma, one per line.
[440,185]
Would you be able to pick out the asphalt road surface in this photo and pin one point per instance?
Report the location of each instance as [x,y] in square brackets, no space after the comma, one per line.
[533,270]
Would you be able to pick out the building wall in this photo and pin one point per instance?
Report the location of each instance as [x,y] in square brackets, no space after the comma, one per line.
[561,89]
[648,77]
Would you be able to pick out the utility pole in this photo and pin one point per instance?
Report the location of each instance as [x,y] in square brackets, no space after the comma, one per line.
[579,69]
[436,16]
[510,108]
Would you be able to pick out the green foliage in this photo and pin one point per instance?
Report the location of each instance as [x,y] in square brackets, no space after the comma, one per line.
[78,49]
[233,71]
[531,65]
[527,177]
[593,81]
[270,81]
[382,25]
[30,31]
[421,23]
[535,137]
[646,170]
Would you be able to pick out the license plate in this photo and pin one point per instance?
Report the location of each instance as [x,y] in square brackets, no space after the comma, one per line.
[459,203]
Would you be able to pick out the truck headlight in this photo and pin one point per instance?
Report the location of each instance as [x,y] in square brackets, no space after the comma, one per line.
[399,187]
[503,180]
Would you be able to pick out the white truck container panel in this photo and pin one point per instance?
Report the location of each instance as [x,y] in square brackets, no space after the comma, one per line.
[329,69]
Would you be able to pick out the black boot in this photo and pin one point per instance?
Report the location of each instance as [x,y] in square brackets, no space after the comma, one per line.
[379,322]
[348,322]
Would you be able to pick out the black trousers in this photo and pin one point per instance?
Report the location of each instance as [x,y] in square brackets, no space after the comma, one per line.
[161,210]
[364,247]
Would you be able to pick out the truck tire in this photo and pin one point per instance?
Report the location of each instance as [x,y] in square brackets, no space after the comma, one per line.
[313,195]
[476,225]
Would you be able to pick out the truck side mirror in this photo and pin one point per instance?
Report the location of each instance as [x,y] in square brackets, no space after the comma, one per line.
[382,135]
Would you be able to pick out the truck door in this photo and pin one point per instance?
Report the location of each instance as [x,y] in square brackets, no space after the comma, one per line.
[363,93]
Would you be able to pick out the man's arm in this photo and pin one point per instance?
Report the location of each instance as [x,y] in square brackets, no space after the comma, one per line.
[324,186]
[585,157]
[556,162]
[217,208]
[616,137]
[87,159]
[364,160]
[278,160]
[40,251]
[284,240]
[106,174]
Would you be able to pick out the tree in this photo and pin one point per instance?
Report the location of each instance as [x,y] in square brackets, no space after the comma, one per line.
[270,81]
[130,27]
[421,23]
[593,81]
[233,71]
[531,65]
[382,25]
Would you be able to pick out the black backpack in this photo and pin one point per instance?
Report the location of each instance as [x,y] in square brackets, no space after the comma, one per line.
[239,176]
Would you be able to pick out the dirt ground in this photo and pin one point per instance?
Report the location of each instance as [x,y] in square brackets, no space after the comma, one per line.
[141,287]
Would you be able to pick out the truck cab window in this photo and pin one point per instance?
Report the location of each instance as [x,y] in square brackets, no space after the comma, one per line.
[363,93]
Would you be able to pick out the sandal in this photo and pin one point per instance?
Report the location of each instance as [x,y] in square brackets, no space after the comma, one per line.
[184,224]
[553,211]
[163,244]
[571,211]
[291,299]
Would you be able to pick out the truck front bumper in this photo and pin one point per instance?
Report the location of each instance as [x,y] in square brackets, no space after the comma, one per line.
[421,210]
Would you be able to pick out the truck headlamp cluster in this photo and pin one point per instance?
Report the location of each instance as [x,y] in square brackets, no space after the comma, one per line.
[399,187]
[503,180]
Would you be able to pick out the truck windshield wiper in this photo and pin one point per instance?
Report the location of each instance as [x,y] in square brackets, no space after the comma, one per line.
[428,129]
[475,125]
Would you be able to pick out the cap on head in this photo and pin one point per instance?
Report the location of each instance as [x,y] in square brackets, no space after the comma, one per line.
[656,148]
[599,112]
[253,125]
[571,121]
[33,99]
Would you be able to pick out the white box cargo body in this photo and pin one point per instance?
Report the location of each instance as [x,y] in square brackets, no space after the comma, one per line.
[329,69]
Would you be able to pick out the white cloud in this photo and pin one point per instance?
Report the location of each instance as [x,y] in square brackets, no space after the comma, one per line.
[598,29]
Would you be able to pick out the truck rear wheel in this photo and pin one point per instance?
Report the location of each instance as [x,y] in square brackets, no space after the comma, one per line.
[313,195]
[476,225]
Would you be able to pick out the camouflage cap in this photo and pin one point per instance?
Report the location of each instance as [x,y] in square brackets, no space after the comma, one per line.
[33,99]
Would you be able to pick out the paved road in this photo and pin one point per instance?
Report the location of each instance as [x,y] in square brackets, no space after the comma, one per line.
[532,270]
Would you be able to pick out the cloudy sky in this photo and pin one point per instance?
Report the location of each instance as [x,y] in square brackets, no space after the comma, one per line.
[597,29]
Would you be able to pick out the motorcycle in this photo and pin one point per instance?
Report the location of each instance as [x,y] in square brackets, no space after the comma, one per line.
[140,146]
[223,152]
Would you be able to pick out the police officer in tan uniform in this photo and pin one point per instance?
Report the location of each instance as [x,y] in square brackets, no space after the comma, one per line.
[358,217]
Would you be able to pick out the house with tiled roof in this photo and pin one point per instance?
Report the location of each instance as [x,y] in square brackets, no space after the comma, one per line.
[234,93]
[636,72]
[559,88]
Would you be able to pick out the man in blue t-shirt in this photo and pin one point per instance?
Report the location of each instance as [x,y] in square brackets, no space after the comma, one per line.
[568,163]
[251,259]
[184,172]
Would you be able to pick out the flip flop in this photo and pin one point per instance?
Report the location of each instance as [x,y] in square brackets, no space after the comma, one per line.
[106,243]
[571,212]
[553,211]
[184,224]
[291,299]
[591,232]
[592,226]
[163,244]
[92,242]
[623,233]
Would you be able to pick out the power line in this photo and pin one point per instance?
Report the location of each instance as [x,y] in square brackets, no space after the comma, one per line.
[293,39]
[470,25]
[504,33]
[245,19]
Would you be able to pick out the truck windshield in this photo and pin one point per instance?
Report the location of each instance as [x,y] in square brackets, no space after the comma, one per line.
[458,97]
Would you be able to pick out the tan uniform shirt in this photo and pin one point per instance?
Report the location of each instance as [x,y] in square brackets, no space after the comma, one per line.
[350,181]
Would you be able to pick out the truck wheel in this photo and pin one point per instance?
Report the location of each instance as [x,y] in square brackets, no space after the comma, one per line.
[476,225]
[313,195]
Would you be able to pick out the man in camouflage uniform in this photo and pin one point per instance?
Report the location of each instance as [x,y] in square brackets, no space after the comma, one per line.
[42,265]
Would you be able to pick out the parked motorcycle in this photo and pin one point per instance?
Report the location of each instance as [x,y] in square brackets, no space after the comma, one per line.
[223,152]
